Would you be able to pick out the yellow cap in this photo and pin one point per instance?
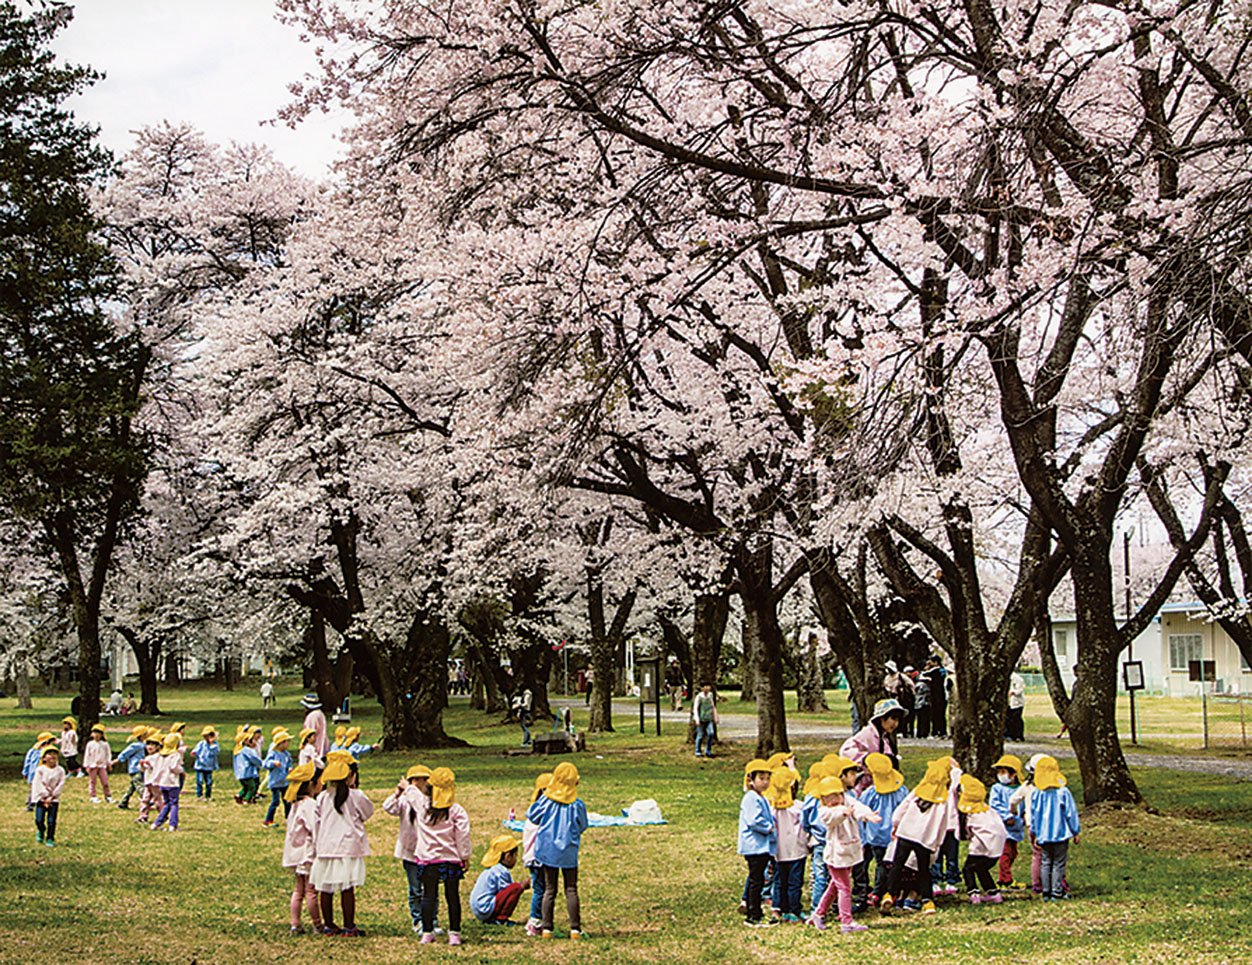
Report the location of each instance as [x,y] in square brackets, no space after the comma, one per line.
[208,730]
[501,845]
[442,787]
[47,735]
[178,727]
[337,770]
[339,732]
[69,720]
[817,771]
[781,782]
[1048,773]
[97,728]
[563,788]
[296,776]
[341,755]
[417,770]
[351,735]
[305,734]
[541,783]
[973,795]
[935,785]
[1012,763]
[280,737]
[170,744]
[887,780]
[778,760]
[830,785]
[844,764]
[138,731]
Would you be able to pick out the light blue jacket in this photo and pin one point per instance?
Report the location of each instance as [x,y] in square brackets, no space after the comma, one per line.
[206,756]
[131,756]
[998,798]
[489,884]
[810,822]
[30,762]
[757,832]
[278,763]
[1053,815]
[884,805]
[560,831]
[359,750]
[247,763]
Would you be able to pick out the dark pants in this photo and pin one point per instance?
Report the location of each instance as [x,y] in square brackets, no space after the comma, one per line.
[755,884]
[860,874]
[136,786]
[939,719]
[413,871]
[570,877]
[46,820]
[790,885]
[276,797]
[248,787]
[923,721]
[947,867]
[169,807]
[1014,726]
[978,867]
[904,848]
[430,899]
[204,784]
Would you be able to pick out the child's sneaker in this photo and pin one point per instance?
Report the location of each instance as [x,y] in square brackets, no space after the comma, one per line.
[329,930]
[975,898]
[853,927]
[790,917]
[575,935]
[49,843]
[352,932]
[872,900]
[816,921]
[532,929]
[108,800]
[297,930]
[928,907]
[38,837]
[992,898]
[454,938]
[95,800]
[545,934]
[911,904]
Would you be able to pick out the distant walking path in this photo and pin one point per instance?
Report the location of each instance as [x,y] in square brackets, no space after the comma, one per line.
[743,727]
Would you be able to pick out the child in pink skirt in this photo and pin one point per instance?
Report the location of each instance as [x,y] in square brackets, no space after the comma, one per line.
[298,848]
[340,844]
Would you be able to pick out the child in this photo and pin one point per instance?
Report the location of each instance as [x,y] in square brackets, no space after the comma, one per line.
[792,844]
[816,831]
[339,743]
[97,759]
[883,795]
[69,747]
[150,765]
[442,852]
[45,791]
[298,853]
[758,837]
[308,748]
[849,774]
[1008,779]
[986,834]
[204,759]
[180,729]
[560,818]
[535,922]
[1019,807]
[278,763]
[131,755]
[840,813]
[168,772]
[247,764]
[945,874]
[495,893]
[31,762]
[355,747]
[408,802]
[1053,819]
[340,844]
[920,823]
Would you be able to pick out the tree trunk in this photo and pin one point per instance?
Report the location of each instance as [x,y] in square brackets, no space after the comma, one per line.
[854,635]
[173,672]
[486,696]
[413,686]
[976,720]
[747,665]
[21,681]
[707,633]
[147,657]
[601,704]
[332,679]
[765,638]
[810,680]
[1092,716]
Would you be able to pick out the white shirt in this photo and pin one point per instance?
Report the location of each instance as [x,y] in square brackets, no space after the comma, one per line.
[1017,691]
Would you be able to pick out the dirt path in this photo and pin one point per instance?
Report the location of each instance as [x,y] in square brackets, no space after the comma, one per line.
[738,727]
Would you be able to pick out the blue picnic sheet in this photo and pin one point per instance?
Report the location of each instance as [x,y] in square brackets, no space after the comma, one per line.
[594,821]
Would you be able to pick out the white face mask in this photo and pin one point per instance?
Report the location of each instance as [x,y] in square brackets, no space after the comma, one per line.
[1004,778]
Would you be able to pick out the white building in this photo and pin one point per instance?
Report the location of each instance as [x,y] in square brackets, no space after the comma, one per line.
[1179,634]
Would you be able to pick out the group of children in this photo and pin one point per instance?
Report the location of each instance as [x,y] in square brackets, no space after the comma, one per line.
[849,816]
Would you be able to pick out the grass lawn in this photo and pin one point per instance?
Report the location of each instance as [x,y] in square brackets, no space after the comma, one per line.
[1151,887]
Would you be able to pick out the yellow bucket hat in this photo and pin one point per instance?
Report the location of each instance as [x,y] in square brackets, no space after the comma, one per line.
[501,845]
[178,727]
[1011,762]
[336,770]
[417,770]
[170,745]
[341,755]
[97,728]
[844,764]
[781,782]
[339,732]
[47,735]
[563,787]
[887,780]
[753,766]
[71,721]
[830,785]
[208,730]
[935,785]
[973,795]
[138,731]
[442,787]
[280,737]
[305,734]
[153,734]
[351,735]
[817,771]
[1048,774]
[47,742]
[541,783]
[298,775]
[778,760]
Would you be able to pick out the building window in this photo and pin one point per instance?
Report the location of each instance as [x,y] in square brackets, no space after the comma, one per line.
[1183,648]
[1060,640]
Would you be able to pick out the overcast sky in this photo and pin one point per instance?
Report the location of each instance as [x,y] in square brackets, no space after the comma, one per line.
[220,65]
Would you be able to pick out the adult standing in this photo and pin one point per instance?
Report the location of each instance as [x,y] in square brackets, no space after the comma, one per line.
[878,736]
[267,693]
[674,684]
[522,702]
[315,720]
[1014,726]
[938,678]
[921,705]
[704,714]
[589,681]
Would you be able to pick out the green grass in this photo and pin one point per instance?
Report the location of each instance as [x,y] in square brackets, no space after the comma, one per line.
[1152,887]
